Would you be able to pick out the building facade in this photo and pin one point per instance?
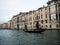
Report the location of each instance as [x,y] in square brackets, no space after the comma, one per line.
[47,17]
[15,22]
[1,26]
[4,26]
[54,13]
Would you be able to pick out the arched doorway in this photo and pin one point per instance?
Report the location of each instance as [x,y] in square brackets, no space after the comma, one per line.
[25,27]
[37,25]
[18,26]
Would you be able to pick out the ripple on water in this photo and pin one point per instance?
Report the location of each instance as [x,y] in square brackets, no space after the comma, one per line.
[15,37]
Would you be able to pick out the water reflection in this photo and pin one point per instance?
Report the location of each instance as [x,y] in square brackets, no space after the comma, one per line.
[15,37]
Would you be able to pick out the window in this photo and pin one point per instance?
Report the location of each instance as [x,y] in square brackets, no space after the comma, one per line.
[57,25]
[17,26]
[46,21]
[46,26]
[42,21]
[41,9]
[41,16]
[46,8]
[52,9]
[17,19]
[38,17]
[50,26]
[56,17]
[59,17]
[59,7]
[42,25]
[33,22]
[59,4]
[49,18]
[46,15]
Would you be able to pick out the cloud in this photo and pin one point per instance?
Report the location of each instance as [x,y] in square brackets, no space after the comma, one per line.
[6,15]
[8,8]
[22,4]
[4,19]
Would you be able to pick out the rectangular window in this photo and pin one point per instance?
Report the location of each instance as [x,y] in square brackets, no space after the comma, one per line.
[46,15]
[49,18]
[17,19]
[46,21]
[42,21]
[41,9]
[42,25]
[45,8]
[57,25]
[17,26]
[38,17]
[50,26]
[59,7]
[41,16]
[59,17]
[56,17]
[56,7]
[46,26]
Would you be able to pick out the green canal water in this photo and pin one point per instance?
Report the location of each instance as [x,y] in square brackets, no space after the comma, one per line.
[19,37]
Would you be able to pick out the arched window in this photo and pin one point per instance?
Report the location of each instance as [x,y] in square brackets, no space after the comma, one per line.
[37,17]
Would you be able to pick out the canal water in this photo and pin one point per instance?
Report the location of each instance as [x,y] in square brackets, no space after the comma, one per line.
[19,37]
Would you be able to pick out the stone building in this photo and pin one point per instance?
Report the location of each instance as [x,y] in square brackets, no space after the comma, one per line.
[0,26]
[40,16]
[44,17]
[23,20]
[15,22]
[54,13]
[5,25]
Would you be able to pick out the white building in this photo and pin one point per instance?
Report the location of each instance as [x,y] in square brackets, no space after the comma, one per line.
[54,13]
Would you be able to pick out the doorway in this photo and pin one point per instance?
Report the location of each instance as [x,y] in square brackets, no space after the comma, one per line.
[25,27]
[18,26]
[37,25]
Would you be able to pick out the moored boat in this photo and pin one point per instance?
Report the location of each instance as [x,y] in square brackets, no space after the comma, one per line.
[35,31]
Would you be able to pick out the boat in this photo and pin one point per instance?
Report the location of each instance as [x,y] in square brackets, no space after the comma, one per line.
[35,31]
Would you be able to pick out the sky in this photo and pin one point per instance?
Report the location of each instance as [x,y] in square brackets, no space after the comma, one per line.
[8,8]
